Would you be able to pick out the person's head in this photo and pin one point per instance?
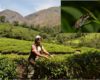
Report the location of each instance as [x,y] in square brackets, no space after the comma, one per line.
[38,39]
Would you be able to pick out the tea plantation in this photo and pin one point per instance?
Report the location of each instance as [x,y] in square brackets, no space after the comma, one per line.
[67,65]
[70,66]
[8,45]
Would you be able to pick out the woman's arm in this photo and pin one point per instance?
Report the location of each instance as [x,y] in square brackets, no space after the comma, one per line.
[39,54]
[47,53]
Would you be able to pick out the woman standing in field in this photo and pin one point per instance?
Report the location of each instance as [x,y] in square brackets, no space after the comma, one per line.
[35,53]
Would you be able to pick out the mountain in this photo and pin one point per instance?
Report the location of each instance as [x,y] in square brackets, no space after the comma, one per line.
[46,17]
[12,15]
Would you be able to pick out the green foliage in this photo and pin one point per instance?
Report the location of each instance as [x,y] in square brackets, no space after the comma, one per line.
[68,18]
[91,14]
[24,24]
[84,66]
[7,68]
[71,66]
[23,47]
[88,42]
[10,31]
[28,32]
[37,27]
[2,18]
[32,26]
[70,43]
[77,66]
[16,23]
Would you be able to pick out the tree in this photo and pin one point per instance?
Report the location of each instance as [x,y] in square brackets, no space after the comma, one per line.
[24,25]
[49,40]
[59,39]
[11,29]
[32,26]
[3,18]
[7,21]
[53,34]
[4,31]
[44,36]
[29,29]
[16,23]
[38,27]
[44,29]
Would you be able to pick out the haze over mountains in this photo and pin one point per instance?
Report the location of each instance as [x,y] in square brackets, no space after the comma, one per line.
[46,17]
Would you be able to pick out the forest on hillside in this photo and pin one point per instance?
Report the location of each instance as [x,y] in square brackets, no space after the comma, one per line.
[16,39]
[49,34]
[28,32]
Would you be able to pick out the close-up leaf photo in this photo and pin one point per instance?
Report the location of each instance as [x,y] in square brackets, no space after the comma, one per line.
[80,16]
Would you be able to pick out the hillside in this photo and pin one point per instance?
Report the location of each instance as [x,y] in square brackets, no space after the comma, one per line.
[8,30]
[46,17]
[53,42]
[8,45]
[12,15]
[90,36]
[25,33]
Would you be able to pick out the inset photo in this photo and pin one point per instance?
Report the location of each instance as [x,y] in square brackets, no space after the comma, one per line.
[80,16]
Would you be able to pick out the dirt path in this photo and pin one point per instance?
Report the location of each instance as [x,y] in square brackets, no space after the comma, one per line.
[17,54]
[26,54]
[13,54]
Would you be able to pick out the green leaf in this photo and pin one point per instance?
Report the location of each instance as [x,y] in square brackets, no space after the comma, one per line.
[70,10]
[91,21]
[97,26]
[88,22]
[91,14]
[76,15]
[65,26]
[96,21]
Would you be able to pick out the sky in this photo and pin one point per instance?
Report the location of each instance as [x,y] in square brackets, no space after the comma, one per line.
[79,0]
[26,7]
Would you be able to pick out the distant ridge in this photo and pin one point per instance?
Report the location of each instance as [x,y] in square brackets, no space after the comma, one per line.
[12,15]
[47,17]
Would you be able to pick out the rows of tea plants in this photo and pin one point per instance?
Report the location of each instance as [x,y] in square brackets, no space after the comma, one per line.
[9,64]
[72,66]
[8,45]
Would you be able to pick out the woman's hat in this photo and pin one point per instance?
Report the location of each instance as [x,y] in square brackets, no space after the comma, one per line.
[37,37]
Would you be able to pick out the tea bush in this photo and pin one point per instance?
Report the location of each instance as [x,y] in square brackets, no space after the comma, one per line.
[7,68]
[74,66]
[69,66]
[84,66]
[92,43]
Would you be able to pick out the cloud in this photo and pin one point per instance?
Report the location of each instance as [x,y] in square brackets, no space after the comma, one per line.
[26,7]
[46,4]
[78,0]
[42,6]
[1,9]
[20,9]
